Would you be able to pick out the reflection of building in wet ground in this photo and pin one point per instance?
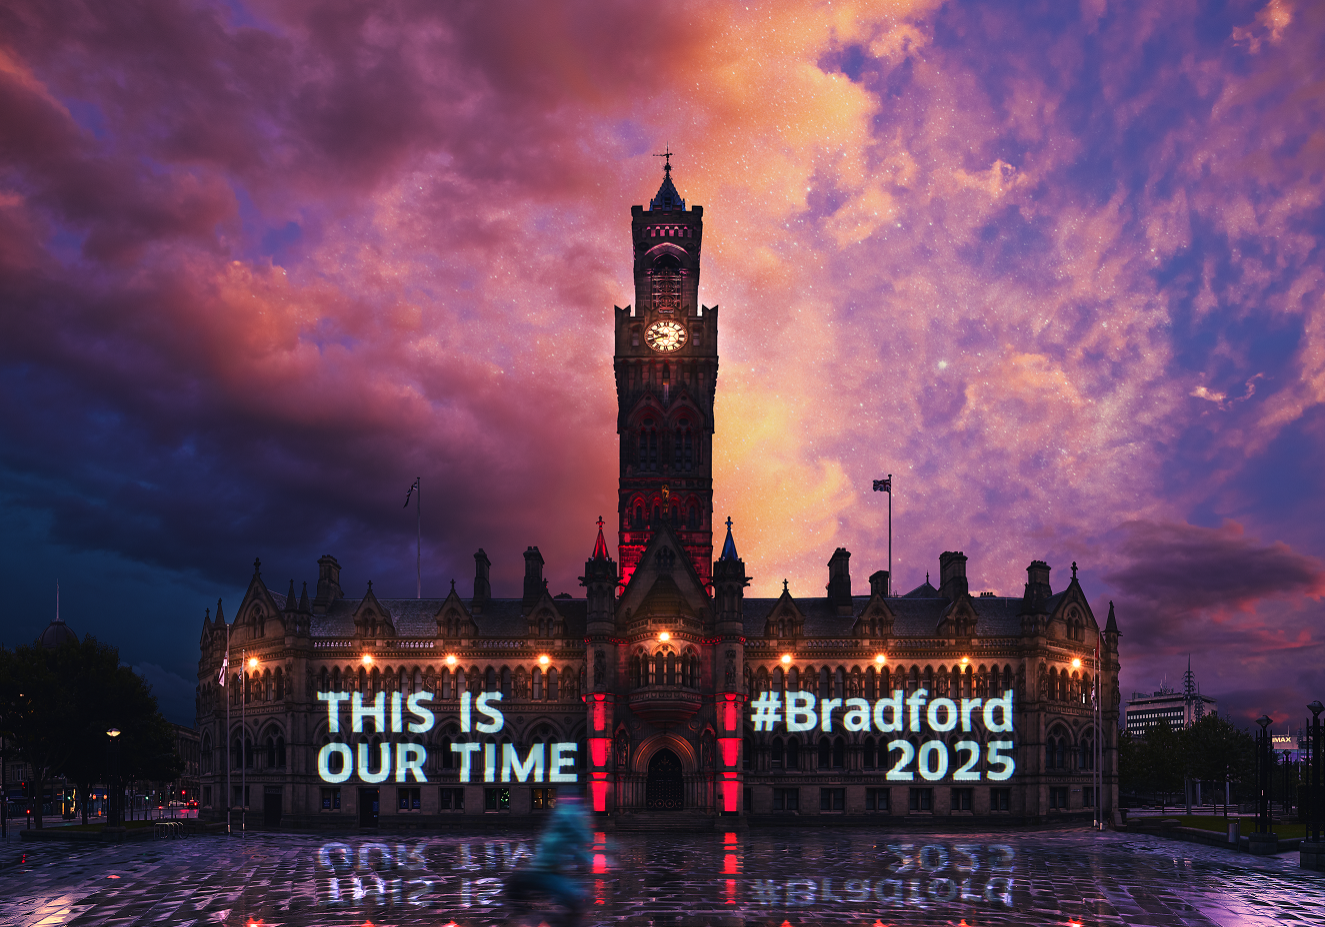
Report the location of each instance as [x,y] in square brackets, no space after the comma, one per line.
[765,876]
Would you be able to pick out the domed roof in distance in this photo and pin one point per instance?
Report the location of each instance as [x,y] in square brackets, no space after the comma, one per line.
[56,633]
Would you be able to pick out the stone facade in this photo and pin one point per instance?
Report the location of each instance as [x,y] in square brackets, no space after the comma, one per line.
[650,685]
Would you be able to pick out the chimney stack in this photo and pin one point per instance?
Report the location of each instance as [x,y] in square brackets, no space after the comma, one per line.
[533,577]
[952,574]
[1037,588]
[482,587]
[839,580]
[879,583]
[328,583]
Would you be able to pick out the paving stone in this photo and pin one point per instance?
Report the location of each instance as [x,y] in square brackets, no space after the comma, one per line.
[800,878]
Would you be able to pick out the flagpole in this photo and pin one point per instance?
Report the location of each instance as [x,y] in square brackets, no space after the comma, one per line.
[886,485]
[229,760]
[418,541]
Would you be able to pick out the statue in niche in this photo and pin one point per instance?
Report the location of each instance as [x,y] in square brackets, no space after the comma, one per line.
[731,669]
[599,669]
[521,683]
[1042,684]
[706,750]
[622,750]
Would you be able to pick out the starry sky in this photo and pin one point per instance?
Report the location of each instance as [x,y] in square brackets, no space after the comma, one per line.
[1056,266]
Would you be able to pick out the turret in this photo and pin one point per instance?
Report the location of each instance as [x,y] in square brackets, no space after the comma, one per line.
[729,582]
[1111,632]
[600,580]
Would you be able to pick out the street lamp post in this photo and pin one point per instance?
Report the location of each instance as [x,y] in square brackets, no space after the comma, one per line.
[1264,841]
[1262,777]
[1312,850]
[113,734]
[249,663]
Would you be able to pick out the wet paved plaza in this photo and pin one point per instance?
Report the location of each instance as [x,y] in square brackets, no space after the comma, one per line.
[796,877]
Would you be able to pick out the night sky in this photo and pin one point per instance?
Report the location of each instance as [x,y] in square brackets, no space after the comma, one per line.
[1057,267]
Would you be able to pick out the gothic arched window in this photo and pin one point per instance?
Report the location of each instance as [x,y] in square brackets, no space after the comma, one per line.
[648,446]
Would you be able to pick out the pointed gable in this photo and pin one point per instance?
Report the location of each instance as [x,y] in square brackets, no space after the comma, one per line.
[454,620]
[875,621]
[958,619]
[259,612]
[372,619]
[545,620]
[665,586]
[785,621]
[1070,617]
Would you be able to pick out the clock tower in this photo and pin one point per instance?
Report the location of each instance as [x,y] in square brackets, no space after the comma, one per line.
[666,367]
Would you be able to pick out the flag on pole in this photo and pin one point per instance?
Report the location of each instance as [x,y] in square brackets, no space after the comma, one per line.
[884,485]
[225,666]
[412,486]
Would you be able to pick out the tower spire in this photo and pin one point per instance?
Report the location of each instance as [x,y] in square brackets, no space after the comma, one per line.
[600,546]
[667,198]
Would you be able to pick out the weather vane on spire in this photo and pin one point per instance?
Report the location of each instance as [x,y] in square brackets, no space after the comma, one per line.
[667,154]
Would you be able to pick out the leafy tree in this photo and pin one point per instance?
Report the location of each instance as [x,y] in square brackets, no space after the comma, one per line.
[1163,760]
[56,705]
[35,708]
[1219,752]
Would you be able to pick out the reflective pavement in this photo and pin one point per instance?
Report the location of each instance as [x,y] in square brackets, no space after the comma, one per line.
[797,877]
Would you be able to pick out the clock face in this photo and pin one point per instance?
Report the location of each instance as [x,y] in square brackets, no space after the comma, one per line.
[666,336]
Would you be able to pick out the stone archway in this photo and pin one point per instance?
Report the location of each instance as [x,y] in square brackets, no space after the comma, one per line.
[664,789]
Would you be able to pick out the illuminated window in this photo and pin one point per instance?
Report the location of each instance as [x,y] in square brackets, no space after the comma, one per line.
[496,799]
[331,799]
[545,799]
[408,800]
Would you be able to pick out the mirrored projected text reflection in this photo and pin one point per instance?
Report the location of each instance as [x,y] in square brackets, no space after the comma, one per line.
[465,879]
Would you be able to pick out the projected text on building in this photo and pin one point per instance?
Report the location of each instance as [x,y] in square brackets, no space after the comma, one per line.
[407,762]
[900,713]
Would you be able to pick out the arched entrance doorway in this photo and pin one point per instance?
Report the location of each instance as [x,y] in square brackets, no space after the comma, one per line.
[665,788]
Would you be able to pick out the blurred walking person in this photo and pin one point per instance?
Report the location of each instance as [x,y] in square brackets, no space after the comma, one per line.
[549,878]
